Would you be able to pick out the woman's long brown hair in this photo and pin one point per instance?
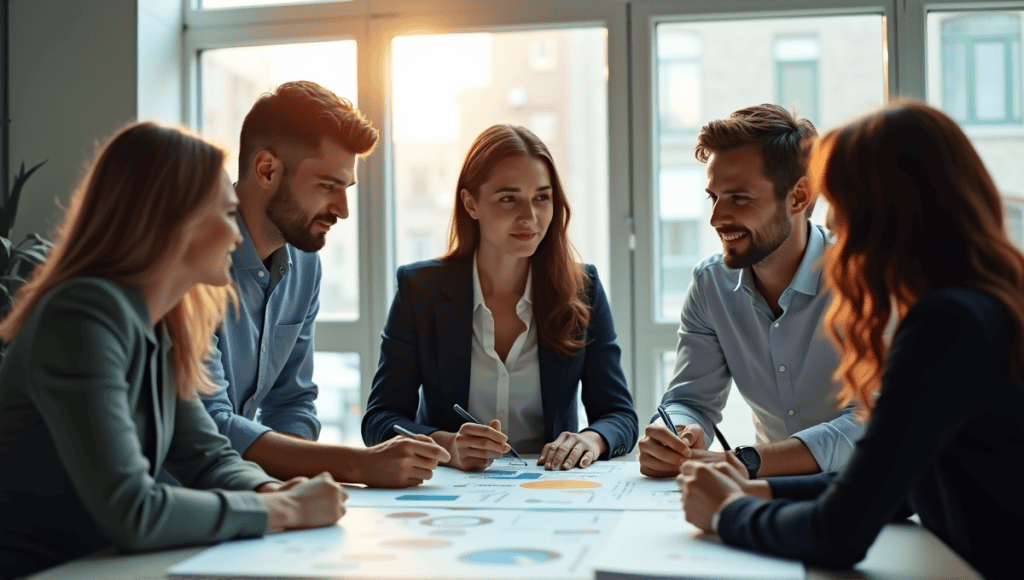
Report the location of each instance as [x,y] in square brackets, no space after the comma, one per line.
[559,282]
[132,205]
[915,211]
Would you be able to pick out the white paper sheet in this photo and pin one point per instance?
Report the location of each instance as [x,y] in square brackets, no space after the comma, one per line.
[663,545]
[605,485]
[424,544]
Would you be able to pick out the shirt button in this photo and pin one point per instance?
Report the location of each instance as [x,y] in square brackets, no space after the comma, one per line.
[782,369]
[791,412]
[776,325]
[264,349]
[282,269]
[260,273]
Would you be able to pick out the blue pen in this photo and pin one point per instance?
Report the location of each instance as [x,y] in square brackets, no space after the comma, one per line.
[465,415]
[666,418]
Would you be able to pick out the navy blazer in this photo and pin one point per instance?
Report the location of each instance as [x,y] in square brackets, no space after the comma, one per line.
[425,356]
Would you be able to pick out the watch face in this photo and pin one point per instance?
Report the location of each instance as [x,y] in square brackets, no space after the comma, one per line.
[750,457]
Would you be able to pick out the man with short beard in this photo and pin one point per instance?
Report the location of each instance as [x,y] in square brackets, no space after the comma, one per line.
[297,158]
[753,313]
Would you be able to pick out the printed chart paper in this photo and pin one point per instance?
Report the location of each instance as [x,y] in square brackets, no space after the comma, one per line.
[665,546]
[605,485]
[425,544]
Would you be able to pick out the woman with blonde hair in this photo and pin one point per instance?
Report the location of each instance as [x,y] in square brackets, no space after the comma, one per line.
[99,385]
[921,240]
[505,325]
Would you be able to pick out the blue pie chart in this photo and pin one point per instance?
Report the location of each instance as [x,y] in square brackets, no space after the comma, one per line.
[511,557]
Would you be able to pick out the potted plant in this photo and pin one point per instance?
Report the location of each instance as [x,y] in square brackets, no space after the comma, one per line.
[17,261]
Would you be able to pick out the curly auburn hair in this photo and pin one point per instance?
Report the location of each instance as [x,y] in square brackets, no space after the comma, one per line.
[915,211]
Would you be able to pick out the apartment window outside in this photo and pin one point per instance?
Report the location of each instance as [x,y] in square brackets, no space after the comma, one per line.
[981,80]
[797,60]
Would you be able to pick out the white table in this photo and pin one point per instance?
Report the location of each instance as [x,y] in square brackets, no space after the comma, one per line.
[904,550]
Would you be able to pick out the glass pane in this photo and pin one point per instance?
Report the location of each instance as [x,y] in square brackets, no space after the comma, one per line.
[737,418]
[798,88]
[240,3]
[735,67]
[553,82]
[989,81]
[231,79]
[999,149]
[338,405]
[954,80]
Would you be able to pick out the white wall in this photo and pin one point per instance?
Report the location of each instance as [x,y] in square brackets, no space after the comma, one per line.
[75,72]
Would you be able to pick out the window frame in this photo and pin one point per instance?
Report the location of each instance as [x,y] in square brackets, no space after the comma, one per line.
[373,24]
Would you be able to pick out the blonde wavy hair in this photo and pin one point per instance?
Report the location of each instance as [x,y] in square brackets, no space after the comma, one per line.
[132,205]
[915,211]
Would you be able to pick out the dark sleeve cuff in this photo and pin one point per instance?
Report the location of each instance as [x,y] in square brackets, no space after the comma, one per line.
[800,487]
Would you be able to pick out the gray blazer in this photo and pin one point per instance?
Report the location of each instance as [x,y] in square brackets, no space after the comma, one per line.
[88,417]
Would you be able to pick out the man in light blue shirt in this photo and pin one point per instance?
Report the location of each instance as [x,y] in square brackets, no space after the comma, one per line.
[754,313]
[298,155]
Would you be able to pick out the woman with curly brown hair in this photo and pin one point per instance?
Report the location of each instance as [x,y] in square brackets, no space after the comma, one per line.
[920,239]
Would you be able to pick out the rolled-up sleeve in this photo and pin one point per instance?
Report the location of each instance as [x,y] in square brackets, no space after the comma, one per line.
[832,442]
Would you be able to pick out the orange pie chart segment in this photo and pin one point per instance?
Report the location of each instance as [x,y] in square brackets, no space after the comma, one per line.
[559,484]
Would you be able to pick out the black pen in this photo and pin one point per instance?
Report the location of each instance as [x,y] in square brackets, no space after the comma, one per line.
[465,415]
[671,426]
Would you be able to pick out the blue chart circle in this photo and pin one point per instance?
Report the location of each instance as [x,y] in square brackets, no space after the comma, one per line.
[511,557]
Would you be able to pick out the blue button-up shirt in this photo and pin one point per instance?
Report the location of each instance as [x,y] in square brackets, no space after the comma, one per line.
[263,358]
[781,366]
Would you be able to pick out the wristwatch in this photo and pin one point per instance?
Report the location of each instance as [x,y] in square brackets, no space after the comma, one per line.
[750,459]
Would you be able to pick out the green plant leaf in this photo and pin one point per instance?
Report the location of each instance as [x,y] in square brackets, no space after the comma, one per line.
[9,206]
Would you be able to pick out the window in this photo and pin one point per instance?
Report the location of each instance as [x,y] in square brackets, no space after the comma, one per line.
[679,83]
[981,61]
[796,75]
[974,75]
[338,405]
[477,80]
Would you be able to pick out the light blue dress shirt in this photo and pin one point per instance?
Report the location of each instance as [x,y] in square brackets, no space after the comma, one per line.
[781,366]
[263,358]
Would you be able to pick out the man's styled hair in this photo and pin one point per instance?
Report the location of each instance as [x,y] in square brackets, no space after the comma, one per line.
[783,139]
[294,119]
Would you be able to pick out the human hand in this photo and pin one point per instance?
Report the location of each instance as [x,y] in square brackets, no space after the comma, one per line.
[475,446]
[402,462]
[311,503]
[572,449]
[705,492]
[663,452]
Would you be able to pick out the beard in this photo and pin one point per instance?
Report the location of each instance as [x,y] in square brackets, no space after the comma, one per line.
[761,243]
[287,215]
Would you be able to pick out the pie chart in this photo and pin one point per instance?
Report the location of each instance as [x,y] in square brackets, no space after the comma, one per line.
[511,557]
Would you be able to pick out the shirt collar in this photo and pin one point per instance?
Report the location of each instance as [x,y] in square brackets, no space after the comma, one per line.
[245,257]
[807,278]
[478,295]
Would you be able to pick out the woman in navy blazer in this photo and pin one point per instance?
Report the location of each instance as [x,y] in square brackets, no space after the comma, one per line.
[508,305]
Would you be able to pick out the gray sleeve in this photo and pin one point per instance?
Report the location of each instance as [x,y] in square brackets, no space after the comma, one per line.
[200,457]
[80,352]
